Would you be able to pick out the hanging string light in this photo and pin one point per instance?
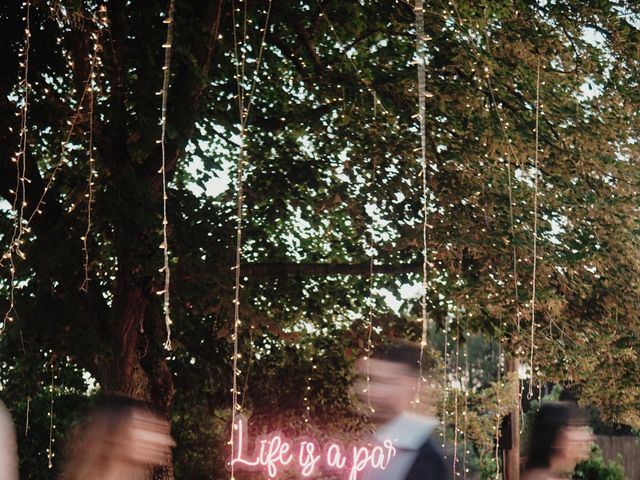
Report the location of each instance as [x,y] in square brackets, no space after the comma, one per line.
[445,387]
[92,173]
[458,379]
[244,107]
[20,199]
[421,40]
[307,391]
[26,423]
[166,74]
[535,230]
[499,404]
[510,152]
[369,347]
[467,383]
[37,210]
[50,453]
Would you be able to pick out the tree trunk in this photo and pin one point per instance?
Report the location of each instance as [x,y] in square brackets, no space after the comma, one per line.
[136,366]
[512,455]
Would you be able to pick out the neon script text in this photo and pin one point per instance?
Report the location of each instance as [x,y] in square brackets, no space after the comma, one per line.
[274,453]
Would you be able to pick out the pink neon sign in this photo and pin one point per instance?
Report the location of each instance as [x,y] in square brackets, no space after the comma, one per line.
[274,453]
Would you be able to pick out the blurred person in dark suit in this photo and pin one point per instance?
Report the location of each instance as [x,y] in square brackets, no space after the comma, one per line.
[393,377]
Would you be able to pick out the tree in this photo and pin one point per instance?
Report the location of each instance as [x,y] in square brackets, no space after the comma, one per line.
[331,162]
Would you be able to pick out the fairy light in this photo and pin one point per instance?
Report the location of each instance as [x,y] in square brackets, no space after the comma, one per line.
[166,74]
[539,395]
[376,103]
[26,423]
[245,387]
[90,179]
[499,403]
[420,52]
[535,231]
[37,210]
[307,391]
[459,383]
[239,202]
[511,150]
[369,348]
[244,107]
[20,199]
[466,399]
[445,389]
[50,453]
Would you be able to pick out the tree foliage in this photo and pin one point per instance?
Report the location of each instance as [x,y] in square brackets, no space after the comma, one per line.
[332,167]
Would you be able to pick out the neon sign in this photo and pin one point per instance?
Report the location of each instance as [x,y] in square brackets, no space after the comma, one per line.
[274,453]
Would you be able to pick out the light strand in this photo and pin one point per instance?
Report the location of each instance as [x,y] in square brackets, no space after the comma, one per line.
[90,179]
[369,348]
[420,50]
[236,299]
[307,392]
[239,203]
[20,160]
[245,387]
[512,152]
[244,110]
[52,176]
[166,74]
[50,453]
[459,384]
[445,397]
[466,398]
[499,403]
[26,423]
[535,231]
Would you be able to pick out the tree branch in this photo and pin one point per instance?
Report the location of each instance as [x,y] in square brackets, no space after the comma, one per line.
[283,268]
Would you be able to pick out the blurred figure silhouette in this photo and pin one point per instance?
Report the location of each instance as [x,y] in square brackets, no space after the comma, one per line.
[121,441]
[8,446]
[560,438]
[393,378]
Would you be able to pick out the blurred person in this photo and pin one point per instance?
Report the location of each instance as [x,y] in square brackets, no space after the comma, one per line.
[393,378]
[560,438]
[123,440]
[8,446]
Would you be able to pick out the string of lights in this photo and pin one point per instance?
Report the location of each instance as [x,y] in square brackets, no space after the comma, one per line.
[235,408]
[307,391]
[535,231]
[421,40]
[499,404]
[511,150]
[445,386]
[166,74]
[369,346]
[20,200]
[93,62]
[458,383]
[26,422]
[50,453]
[37,210]
[466,387]
[244,107]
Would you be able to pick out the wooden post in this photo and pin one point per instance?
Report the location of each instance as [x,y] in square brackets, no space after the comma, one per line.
[512,455]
